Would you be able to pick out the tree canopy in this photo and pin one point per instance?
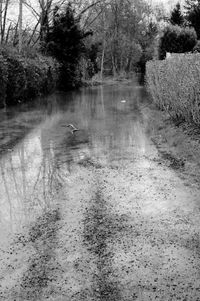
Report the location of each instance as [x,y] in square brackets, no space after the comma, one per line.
[177,40]
[192,8]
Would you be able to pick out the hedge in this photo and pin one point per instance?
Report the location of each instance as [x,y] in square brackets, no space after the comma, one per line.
[174,85]
[22,78]
[3,79]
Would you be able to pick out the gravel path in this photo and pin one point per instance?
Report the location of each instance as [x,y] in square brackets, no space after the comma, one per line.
[129,231]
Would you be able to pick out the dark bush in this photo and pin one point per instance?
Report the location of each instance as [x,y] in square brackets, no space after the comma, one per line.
[41,76]
[176,17]
[192,13]
[176,39]
[3,80]
[197,47]
[64,41]
[23,78]
[16,80]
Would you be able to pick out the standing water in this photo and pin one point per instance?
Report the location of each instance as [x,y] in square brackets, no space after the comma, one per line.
[39,150]
[92,215]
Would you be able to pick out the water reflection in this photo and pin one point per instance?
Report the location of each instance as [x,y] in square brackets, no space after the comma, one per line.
[33,174]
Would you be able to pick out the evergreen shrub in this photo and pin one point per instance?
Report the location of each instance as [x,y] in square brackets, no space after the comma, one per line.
[65,42]
[174,85]
[176,39]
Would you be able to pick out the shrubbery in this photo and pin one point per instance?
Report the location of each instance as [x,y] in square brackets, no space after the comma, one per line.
[25,77]
[174,86]
[177,39]
[197,47]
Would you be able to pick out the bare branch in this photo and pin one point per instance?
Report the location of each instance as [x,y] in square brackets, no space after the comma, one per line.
[88,7]
[8,32]
[4,19]
[35,13]
[33,32]
[93,20]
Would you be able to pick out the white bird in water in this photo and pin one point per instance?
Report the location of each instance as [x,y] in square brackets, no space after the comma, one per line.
[123,100]
[72,128]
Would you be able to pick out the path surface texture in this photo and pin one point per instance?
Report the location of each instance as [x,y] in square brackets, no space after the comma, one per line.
[96,215]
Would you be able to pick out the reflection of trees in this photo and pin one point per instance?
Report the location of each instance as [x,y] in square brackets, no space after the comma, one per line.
[32,176]
[14,184]
[29,180]
[113,126]
[28,174]
[7,194]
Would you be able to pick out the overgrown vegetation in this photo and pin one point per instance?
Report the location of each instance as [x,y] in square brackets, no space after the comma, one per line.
[174,86]
[192,15]
[174,83]
[25,77]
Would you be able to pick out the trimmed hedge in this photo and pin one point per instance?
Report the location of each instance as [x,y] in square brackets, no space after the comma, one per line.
[22,78]
[174,85]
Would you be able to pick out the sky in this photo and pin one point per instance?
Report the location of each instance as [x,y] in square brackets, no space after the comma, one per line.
[13,11]
[168,3]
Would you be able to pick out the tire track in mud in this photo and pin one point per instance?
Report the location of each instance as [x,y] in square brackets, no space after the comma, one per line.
[43,265]
[100,229]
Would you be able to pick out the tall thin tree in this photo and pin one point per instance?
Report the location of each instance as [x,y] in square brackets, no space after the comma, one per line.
[4,18]
[1,12]
[20,24]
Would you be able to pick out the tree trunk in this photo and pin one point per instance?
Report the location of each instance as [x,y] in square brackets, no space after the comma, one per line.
[113,65]
[102,61]
[20,26]
[42,21]
[1,12]
[44,18]
[8,32]
[4,17]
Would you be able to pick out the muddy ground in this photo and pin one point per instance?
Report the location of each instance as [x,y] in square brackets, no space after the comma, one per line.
[119,231]
[178,143]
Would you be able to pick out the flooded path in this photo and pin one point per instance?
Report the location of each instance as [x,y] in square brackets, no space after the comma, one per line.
[93,215]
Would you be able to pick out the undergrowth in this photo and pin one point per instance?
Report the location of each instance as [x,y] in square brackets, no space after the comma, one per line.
[23,77]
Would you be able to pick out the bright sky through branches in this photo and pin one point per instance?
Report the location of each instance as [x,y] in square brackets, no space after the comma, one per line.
[30,20]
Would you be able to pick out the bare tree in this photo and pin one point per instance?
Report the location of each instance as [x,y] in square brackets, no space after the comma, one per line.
[1,17]
[43,12]
[4,12]
[20,25]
